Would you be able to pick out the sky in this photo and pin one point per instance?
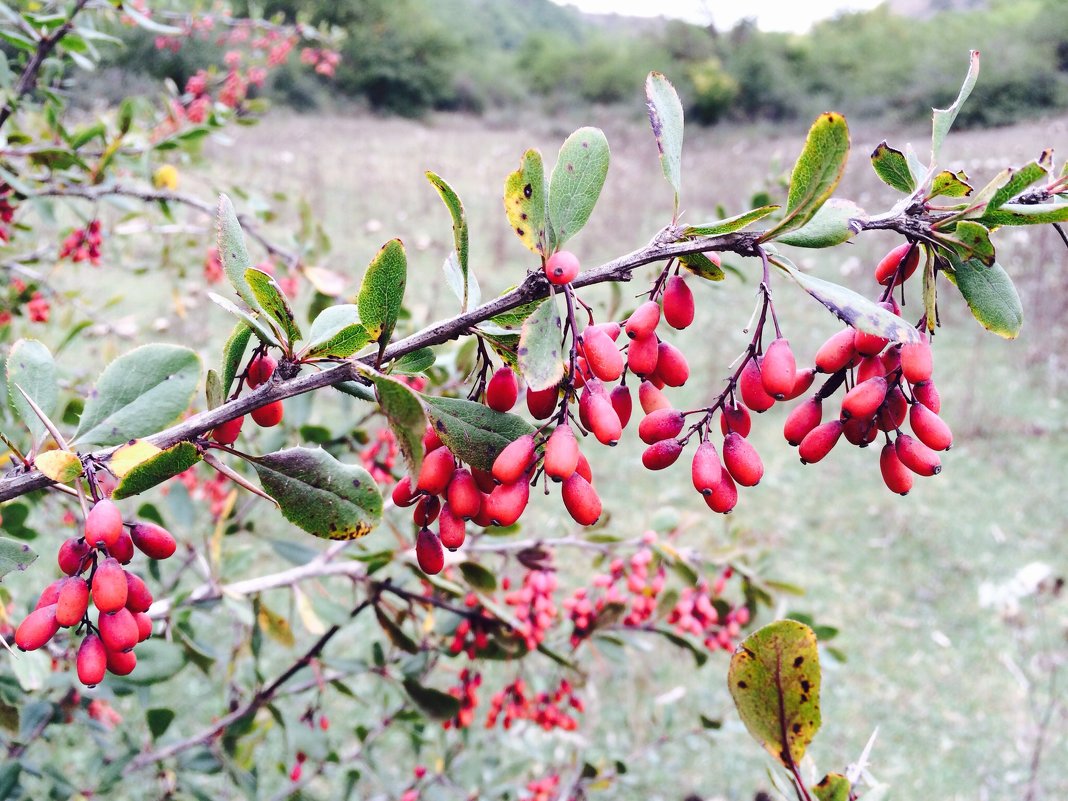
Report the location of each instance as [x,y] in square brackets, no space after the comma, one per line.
[771,15]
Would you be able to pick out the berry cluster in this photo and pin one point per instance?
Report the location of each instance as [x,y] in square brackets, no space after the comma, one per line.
[467,694]
[83,244]
[258,372]
[7,210]
[546,710]
[120,597]
[472,632]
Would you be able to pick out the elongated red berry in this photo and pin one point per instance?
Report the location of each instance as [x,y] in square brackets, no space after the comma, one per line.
[562,267]
[403,495]
[603,420]
[661,454]
[803,418]
[864,399]
[660,425]
[642,355]
[37,628]
[583,468]
[118,630]
[109,586]
[735,418]
[917,362]
[891,360]
[542,403]
[724,497]
[917,457]
[121,663]
[426,510]
[870,367]
[431,440]
[269,415]
[561,453]
[896,476]
[260,370]
[123,549]
[428,552]
[678,303]
[484,480]
[819,441]
[893,411]
[860,431]
[72,556]
[103,524]
[92,660]
[751,388]
[622,403]
[650,398]
[153,541]
[463,494]
[506,504]
[138,596]
[451,528]
[778,370]
[581,500]
[436,472]
[502,391]
[50,594]
[802,381]
[602,356]
[837,353]
[144,626]
[671,365]
[706,471]
[929,428]
[926,393]
[742,460]
[643,321]
[72,602]
[513,462]
[227,433]
[890,268]
[869,344]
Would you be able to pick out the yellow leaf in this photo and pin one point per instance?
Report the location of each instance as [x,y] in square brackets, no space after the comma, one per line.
[166,177]
[307,615]
[129,456]
[61,466]
[275,626]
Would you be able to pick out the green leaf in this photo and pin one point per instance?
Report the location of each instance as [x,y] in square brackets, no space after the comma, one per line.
[971,240]
[404,411]
[694,646]
[1018,181]
[851,308]
[666,119]
[991,296]
[459,228]
[832,787]
[943,118]
[774,679]
[233,353]
[336,332]
[831,225]
[540,353]
[893,168]
[273,302]
[816,173]
[418,361]
[30,366]
[14,555]
[320,494]
[159,720]
[475,433]
[434,703]
[515,318]
[526,204]
[263,332]
[948,184]
[233,254]
[478,576]
[395,633]
[158,661]
[157,469]
[730,224]
[576,182]
[140,393]
[1025,214]
[346,342]
[702,266]
[382,291]
[213,390]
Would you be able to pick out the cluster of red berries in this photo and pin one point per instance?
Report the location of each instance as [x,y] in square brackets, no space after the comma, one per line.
[466,692]
[120,597]
[547,710]
[701,611]
[379,456]
[259,372]
[83,244]
[472,632]
[544,789]
[7,210]
[535,610]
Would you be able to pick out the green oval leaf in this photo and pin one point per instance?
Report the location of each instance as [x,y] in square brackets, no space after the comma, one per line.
[273,302]
[233,353]
[320,494]
[970,240]
[991,296]
[263,332]
[774,679]
[730,224]
[336,332]
[418,361]
[475,433]
[893,168]
[233,254]
[1026,214]
[139,393]
[30,366]
[943,118]
[525,203]
[831,225]
[382,291]
[540,352]
[157,469]
[702,266]
[14,555]
[949,184]
[666,119]
[479,577]
[576,182]
[404,412]
[433,703]
[459,228]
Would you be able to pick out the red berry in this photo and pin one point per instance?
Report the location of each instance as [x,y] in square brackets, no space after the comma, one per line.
[138,596]
[451,528]
[802,381]
[929,428]
[642,355]
[72,556]
[260,371]
[426,510]
[735,418]
[542,403]
[463,494]
[895,475]
[742,460]
[515,460]
[870,367]
[92,661]
[583,468]
[678,303]
[436,472]
[860,431]
[505,505]
[837,353]
[402,494]
[431,440]
[50,594]
[778,370]
[643,321]
[227,433]
[892,413]
[819,441]
[622,404]
[803,418]
[103,524]
[660,425]
[890,268]
[561,453]
[671,365]
[121,663]
[917,457]
[662,454]
[37,628]
[144,626]
[725,495]
[868,344]
[109,586]
[123,549]
[603,420]
[72,601]
[651,399]
[154,541]
[502,391]
[484,480]
[562,267]
[602,356]
[269,415]
[751,387]
[864,399]
[926,393]
[118,630]
[706,470]
[917,362]
[581,500]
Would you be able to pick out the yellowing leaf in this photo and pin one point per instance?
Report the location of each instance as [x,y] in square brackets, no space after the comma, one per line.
[130,456]
[275,626]
[60,466]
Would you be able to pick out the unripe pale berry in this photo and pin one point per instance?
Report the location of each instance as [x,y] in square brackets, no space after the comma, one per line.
[803,418]
[651,399]
[435,472]
[513,462]
[678,303]
[819,441]
[542,403]
[153,541]
[917,362]
[72,556]
[72,602]
[661,454]
[39,627]
[505,505]
[562,267]
[121,663]
[118,630]
[426,510]
[502,391]
[926,393]
[778,370]
[735,418]
[403,495]
[917,457]
[837,353]
[661,425]
[260,371]
[622,403]
[561,453]
[103,524]
[123,549]
[643,321]
[724,497]
[751,387]
[581,500]
[864,399]
[742,460]
[269,415]
[642,355]
[929,428]
[227,433]
[706,471]
[109,586]
[138,596]
[463,494]
[896,476]
[428,552]
[602,356]
[890,267]
[671,365]
[451,528]
[92,660]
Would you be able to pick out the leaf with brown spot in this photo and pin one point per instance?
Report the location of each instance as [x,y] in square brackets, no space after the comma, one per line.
[526,202]
[832,787]
[774,679]
[404,412]
[540,351]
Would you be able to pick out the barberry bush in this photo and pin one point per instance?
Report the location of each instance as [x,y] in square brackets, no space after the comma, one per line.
[180,492]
